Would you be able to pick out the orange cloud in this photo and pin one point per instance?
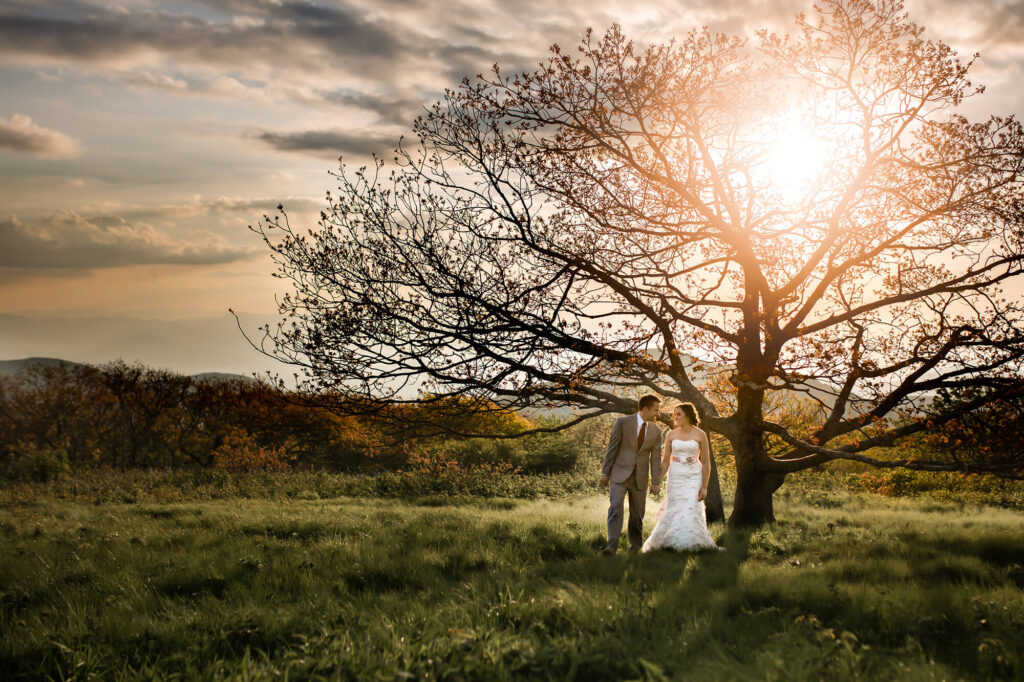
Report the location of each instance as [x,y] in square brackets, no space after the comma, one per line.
[20,134]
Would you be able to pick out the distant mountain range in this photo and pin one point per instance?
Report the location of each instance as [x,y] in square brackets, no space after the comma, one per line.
[819,392]
[9,368]
[12,368]
[813,391]
[195,347]
[192,347]
[187,346]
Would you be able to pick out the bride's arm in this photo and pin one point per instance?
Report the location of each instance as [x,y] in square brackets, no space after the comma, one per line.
[666,454]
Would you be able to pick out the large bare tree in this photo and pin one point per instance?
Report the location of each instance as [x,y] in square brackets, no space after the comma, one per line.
[810,211]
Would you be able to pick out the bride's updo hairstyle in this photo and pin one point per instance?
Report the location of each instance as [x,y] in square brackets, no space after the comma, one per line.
[691,413]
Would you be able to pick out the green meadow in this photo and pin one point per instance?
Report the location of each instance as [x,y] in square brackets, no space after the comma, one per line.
[491,588]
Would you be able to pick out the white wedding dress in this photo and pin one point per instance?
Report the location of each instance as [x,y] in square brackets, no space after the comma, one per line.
[682,521]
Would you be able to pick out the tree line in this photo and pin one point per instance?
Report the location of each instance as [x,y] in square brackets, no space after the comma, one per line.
[57,417]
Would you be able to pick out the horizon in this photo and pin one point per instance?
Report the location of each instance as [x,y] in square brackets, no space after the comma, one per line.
[104,338]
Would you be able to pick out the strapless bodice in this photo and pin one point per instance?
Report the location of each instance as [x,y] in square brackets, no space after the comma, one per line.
[685,448]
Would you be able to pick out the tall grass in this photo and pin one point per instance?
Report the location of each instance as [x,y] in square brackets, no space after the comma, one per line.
[493,588]
[99,486]
[821,488]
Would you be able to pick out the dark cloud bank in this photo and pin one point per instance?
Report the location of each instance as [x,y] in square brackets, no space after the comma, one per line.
[67,240]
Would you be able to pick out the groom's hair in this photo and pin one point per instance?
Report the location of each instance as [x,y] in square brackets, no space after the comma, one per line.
[647,401]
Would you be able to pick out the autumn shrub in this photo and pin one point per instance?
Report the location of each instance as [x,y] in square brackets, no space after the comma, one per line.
[540,453]
[555,452]
[30,462]
[443,463]
[241,453]
[892,483]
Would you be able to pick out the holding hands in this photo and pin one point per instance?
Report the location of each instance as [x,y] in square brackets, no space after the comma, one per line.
[655,488]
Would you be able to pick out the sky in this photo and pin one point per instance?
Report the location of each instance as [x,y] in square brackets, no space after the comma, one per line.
[139,139]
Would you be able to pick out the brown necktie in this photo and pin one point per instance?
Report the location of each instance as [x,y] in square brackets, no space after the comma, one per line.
[640,436]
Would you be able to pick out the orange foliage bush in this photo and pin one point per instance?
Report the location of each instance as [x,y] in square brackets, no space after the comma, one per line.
[878,484]
[444,464]
[240,453]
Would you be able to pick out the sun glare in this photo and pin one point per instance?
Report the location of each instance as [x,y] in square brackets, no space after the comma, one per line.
[796,160]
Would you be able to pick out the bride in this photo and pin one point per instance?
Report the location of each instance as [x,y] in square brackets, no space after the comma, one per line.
[682,520]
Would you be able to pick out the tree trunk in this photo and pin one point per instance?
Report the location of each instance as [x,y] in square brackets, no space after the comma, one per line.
[713,504]
[754,486]
[754,490]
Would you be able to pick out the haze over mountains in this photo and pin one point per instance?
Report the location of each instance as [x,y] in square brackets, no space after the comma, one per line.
[211,346]
[188,346]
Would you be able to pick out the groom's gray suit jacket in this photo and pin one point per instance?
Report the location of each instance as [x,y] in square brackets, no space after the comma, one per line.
[623,458]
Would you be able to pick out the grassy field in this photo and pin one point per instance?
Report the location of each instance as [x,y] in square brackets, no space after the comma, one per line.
[492,588]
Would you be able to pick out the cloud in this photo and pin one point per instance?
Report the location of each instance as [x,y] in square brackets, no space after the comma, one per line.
[290,51]
[66,239]
[379,57]
[244,207]
[328,143]
[390,106]
[219,87]
[250,204]
[157,82]
[286,34]
[21,134]
[996,29]
[385,58]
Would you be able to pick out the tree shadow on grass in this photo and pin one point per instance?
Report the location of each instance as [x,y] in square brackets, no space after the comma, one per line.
[631,615]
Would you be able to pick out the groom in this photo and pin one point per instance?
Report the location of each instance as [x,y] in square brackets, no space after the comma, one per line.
[635,445]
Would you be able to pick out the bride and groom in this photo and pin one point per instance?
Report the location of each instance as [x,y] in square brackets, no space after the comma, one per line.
[685,457]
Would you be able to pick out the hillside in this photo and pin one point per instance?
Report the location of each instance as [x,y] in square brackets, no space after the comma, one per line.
[12,368]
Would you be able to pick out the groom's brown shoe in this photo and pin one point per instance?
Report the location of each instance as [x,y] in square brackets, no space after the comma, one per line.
[608,551]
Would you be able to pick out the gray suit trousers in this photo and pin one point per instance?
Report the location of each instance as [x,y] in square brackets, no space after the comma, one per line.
[637,502]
